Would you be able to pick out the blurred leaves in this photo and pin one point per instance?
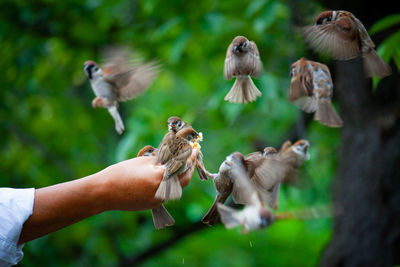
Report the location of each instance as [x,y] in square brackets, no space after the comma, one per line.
[50,133]
[389,49]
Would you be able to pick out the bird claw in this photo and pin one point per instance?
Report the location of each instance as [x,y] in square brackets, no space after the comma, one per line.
[98,102]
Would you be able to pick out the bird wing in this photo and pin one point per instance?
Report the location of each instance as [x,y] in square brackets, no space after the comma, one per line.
[338,39]
[244,192]
[253,60]
[285,146]
[127,76]
[254,155]
[131,82]
[301,84]
[163,151]
[267,175]
[175,163]
[230,63]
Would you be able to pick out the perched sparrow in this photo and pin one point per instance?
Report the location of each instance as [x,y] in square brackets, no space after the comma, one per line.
[180,150]
[311,88]
[294,156]
[164,154]
[242,61]
[175,124]
[254,215]
[147,151]
[341,35]
[161,217]
[118,81]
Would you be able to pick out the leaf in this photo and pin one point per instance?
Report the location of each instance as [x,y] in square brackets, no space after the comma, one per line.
[385,23]
[254,7]
[179,46]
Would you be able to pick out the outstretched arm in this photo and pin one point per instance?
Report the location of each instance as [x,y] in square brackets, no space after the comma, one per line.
[128,185]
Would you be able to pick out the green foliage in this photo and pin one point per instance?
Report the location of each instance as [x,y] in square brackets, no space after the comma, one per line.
[50,133]
[389,49]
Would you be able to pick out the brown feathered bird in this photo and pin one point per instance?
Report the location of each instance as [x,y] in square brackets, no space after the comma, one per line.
[242,61]
[341,35]
[311,89]
[161,217]
[263,171]
[175,124]
[118,80]
[255,214]
[179,150]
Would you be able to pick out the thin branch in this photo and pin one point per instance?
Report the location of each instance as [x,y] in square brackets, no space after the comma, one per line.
[156,249]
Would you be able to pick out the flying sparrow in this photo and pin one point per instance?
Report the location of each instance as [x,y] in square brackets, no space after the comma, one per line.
[161,217]
[341,35]
[263,172]
[118,81]
[180,149]
[254,215]
[242,61]
[311,88]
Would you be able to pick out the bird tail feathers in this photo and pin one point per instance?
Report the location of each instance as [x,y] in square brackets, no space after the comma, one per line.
[243,91]
[161,217]
[374,65]
[327,115]
[119,124]
[169,188]
[228,216]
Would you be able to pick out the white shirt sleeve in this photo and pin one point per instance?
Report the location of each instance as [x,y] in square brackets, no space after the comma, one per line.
[16,205]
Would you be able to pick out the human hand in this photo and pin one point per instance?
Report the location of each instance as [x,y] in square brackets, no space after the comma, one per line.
[131,184]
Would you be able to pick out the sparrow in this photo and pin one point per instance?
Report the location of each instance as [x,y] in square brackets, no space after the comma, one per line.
[163,151]
[264,172]
[147,151]
[242,61]
[255,214]
[224,186]
[161,217]
[118,81]
[341,35]
[311,88]
[293,155]
[179,150]
[175,124]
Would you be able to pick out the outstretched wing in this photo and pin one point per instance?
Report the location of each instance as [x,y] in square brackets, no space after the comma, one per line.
[128,77]
[244,192]
[338,39]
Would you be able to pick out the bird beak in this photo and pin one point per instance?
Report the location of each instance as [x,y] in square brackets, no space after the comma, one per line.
[87,70]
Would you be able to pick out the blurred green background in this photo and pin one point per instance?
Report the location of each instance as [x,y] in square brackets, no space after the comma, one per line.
[51,134]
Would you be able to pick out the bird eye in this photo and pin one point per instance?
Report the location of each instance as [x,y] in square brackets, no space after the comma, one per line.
[96,68]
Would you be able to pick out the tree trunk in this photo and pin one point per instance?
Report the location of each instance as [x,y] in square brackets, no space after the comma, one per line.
[366,190]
